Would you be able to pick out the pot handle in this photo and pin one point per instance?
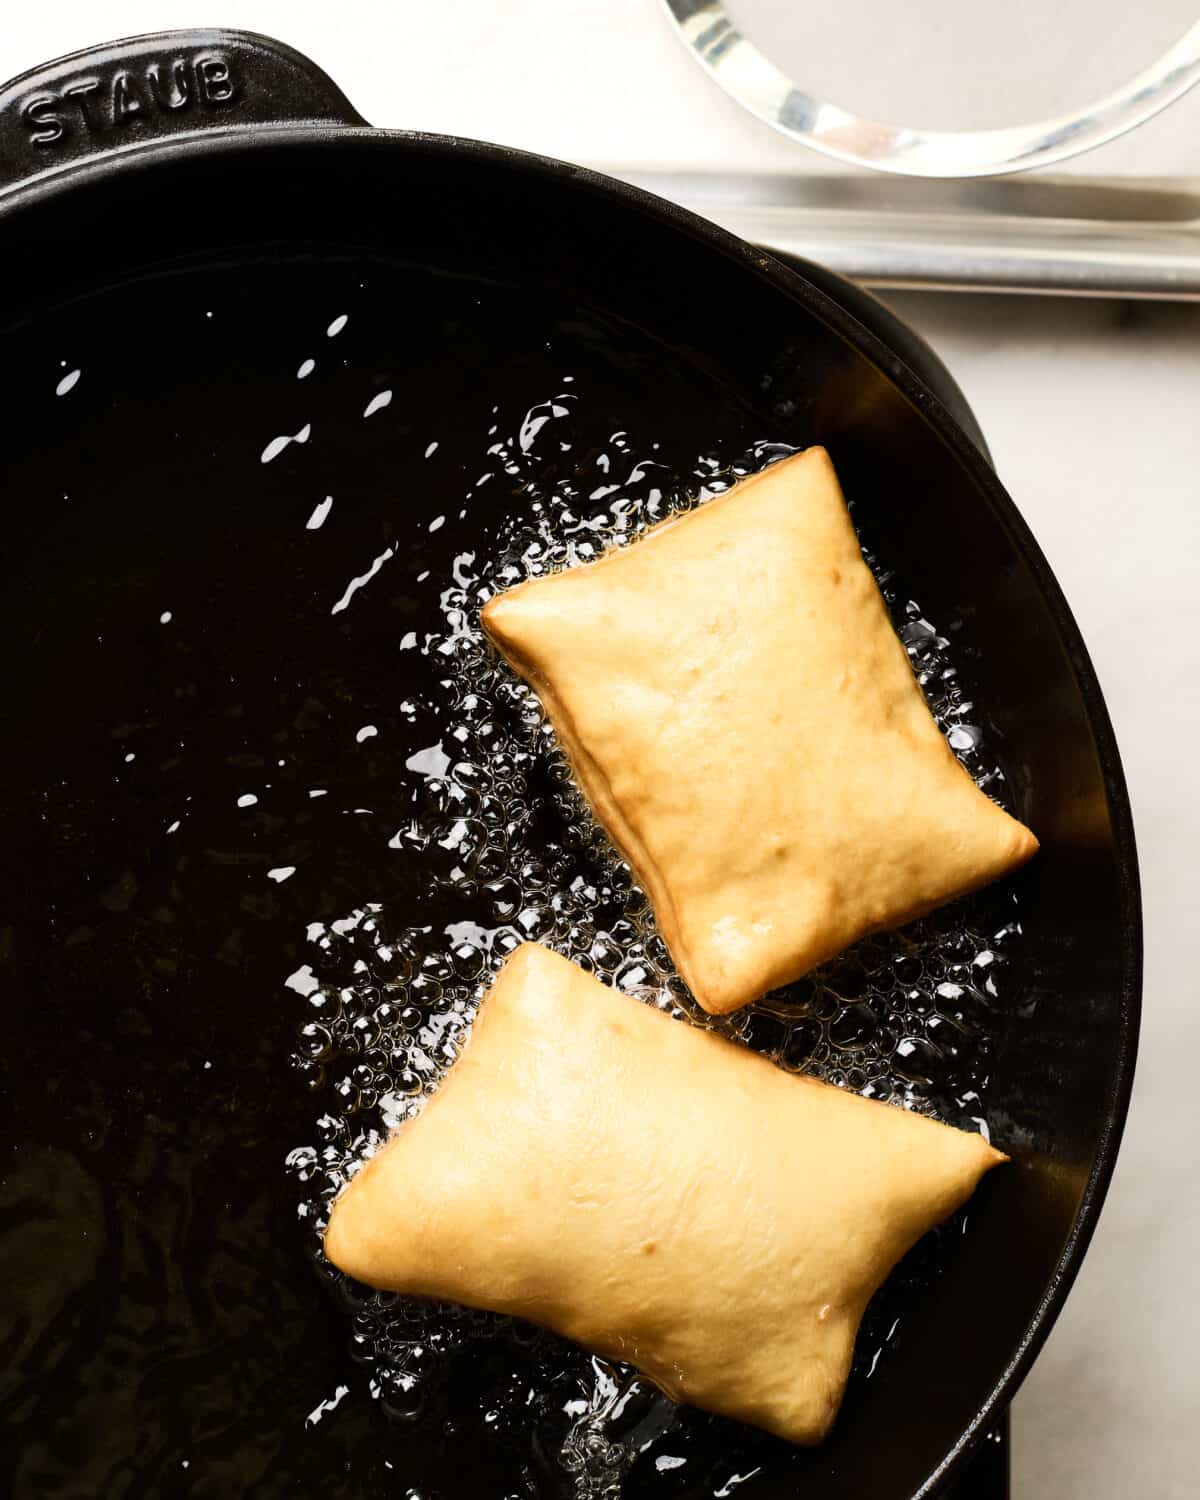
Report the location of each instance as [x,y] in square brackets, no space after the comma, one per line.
[162,86]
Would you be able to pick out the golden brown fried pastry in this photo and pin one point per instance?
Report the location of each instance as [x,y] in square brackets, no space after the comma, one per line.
[745,723]
[656,1193]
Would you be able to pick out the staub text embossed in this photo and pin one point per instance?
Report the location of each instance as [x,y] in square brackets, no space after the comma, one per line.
[97,102]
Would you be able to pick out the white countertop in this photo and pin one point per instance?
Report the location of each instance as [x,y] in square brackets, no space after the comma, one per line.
[1092,411]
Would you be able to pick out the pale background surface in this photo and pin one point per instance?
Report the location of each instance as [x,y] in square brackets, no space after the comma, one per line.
[1093,415]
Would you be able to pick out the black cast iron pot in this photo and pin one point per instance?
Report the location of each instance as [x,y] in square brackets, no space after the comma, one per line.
[187,221]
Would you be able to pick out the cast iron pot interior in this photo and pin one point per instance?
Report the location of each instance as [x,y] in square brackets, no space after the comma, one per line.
[90,248]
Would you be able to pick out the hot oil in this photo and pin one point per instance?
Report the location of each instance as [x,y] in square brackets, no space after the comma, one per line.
[507,841]
[274,815]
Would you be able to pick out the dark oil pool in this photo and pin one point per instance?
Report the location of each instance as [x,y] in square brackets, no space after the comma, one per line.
[273,815]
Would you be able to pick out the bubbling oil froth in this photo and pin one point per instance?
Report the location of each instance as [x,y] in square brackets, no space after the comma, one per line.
[509,849]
